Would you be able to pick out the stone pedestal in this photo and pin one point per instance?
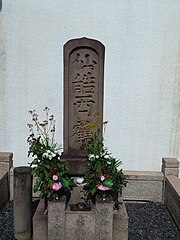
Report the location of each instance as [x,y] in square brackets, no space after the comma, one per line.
[56,220]
[104,220]
[101,223]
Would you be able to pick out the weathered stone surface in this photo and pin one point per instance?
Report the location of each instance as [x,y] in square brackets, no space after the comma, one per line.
[170,162]
[144,185]
[143,175]
[76,195]
[101,223]
[83,95]
[5,156]
[80,225]
[170,171]
[40,223]
[22,203]
[104,221]
[120,223]
[170,166]
[6,161]
[56,220]
[11,184]
[172,197]
[4,196]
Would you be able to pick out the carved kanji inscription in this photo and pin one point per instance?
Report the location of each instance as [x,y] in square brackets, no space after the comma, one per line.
[83,91]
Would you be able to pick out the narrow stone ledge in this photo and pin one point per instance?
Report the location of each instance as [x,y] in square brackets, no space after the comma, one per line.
[175,184]
[4,193]
[144,175]
[40,223]
[172,197]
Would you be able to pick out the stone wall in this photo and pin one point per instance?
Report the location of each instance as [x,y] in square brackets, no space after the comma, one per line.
[144,186]
[4,188]
[6,162]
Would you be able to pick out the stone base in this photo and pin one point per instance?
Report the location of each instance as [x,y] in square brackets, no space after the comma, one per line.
[101,223]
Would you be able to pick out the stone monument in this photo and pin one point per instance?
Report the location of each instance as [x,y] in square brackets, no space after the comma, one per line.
[83,95]
[83,100]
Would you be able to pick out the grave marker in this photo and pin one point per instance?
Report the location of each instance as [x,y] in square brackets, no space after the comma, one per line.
[83,95]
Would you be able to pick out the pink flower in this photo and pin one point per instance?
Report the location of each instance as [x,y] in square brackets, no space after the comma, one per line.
[55,177]
[56,186]
[102,178]
[103,188]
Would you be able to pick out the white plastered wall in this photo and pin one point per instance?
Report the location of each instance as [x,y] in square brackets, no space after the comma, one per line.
[142,72]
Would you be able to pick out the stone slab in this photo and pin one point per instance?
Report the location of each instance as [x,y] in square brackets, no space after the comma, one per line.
[170,162]
[4,192]
[170,171]
[144,186]
[56,220]
[6,165]
[6,156]
[40,223]
[143,175]
[80,225]
[172,197]
[104,221]
[83,95]
[120,223]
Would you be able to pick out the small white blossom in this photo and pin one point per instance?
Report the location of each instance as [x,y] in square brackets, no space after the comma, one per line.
[91,156]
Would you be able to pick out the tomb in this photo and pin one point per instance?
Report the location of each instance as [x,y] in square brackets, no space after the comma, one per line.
[83,100]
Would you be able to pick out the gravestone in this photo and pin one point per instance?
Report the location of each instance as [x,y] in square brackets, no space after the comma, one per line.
[83,100]
[83,95]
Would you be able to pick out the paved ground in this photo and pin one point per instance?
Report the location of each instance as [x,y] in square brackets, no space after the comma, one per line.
[147,221]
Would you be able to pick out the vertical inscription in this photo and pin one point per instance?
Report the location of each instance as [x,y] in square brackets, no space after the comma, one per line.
[84,90]
[83,95]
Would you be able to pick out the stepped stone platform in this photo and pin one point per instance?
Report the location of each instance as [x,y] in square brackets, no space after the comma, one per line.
[101,223]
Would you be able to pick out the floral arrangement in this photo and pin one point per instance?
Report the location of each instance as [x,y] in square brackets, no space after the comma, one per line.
[52,176]
[102,177]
